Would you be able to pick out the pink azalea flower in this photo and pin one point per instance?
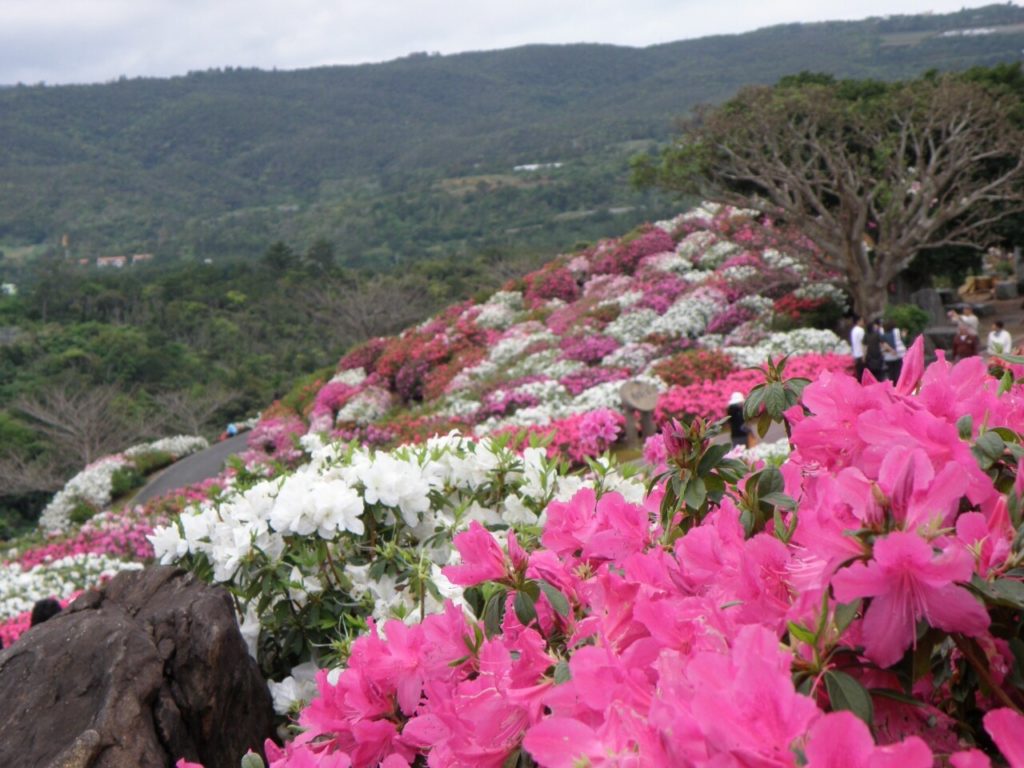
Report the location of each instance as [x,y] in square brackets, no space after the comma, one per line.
[842,740]
[908,582]
[1006,728]
[482,558]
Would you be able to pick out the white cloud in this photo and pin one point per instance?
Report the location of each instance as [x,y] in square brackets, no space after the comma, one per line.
[96,40]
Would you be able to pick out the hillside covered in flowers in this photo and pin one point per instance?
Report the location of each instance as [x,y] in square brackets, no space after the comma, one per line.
[445,556]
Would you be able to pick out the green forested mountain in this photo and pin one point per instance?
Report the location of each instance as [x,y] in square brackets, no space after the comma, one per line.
[404,159]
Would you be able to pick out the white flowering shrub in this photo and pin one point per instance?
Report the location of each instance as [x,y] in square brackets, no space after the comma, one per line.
[21,588]
[501,311]
[91,486]
[365,407]
[178,446]
[357,532]
[801,341]
[633,326]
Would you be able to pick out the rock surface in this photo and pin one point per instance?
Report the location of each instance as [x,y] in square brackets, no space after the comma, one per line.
[148,669]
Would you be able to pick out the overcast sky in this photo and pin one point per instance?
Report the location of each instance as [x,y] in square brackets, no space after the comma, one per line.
[82,41]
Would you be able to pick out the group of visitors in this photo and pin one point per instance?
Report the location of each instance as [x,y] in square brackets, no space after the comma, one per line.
[877,347]
[966,342]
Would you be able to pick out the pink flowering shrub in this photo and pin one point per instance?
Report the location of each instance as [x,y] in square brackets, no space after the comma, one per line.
[694,365]
[364,356]
[727,320]
[550,282]
[587,349]
[708,399]
[868,621]
[585,378]
[274,439]
[622,257]
[575,438]
[328,401]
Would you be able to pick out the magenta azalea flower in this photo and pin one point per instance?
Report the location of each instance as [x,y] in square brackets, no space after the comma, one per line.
[842,740]
[908,582]
[482,558]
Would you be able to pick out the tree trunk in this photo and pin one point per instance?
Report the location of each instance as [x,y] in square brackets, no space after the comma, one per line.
[869,300]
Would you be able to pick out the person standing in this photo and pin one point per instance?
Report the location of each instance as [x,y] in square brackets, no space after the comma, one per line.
[965,343]
[738,429]
[857,346]
[999,340]
[874,361]
[893,350]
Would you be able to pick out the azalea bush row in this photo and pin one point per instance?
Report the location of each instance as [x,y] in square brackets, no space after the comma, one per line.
[92,489]
[860,605]
[679,303]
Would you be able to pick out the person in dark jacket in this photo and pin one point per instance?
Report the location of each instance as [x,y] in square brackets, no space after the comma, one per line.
[965,343]
[874,359]
[737,425]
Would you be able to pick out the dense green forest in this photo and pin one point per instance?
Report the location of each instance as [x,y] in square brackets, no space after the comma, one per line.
[293,214]
[390,161]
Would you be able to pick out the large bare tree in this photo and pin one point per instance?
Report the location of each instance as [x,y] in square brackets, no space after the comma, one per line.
[871,173]
[82,424]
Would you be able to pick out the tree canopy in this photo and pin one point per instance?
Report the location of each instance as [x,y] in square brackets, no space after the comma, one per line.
[872,173]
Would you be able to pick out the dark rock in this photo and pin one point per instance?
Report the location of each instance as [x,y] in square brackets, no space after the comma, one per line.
[148,669]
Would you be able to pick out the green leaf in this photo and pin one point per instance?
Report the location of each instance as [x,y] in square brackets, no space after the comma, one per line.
[1006,592]
[769,481]
[562,673]
[752,405]
[251,760]
[764,423]
[555,597]
[803,634]
[965,426]
[525,610]
[845,613]
[780,500]
[1005,383]
[696,493]
[775,400]
[846,693]
[494,612]
[988,449]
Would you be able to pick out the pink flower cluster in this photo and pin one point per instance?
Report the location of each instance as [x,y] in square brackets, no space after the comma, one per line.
[587,349]
[623,257]
[623,645]
[328,401]
[585,378]
[708,399]
[577,437]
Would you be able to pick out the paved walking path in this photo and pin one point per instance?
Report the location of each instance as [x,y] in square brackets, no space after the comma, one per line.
[192,469]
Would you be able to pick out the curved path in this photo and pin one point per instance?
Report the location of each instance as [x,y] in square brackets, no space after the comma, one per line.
[192,469]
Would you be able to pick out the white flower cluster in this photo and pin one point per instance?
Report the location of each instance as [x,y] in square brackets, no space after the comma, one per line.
[178,446]
[517,341]
[632,326]
[689,315]
[760,305]
[715,255]
[501,311]
[669,262]
[779,260]
[695,244]
[822,291]
[770,453]
[632,356]
[801,341]
[20,589]
[353,377]
[425,493]
[365,407]
[92,485]
[738,273]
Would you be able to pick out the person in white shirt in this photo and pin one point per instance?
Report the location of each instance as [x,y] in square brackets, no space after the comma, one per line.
[999,340]
[967,318]
[857,346]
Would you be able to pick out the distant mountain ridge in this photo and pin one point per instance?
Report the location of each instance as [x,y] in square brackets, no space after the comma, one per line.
[152,163]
